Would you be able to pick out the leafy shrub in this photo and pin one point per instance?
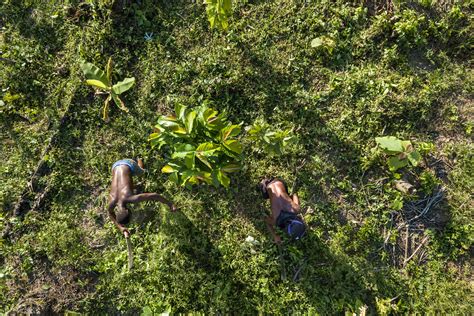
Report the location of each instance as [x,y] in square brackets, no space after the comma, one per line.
[324,43]
[200,133]
[411,29]
[103,81]
[218,12]
[400,152]
[269,141]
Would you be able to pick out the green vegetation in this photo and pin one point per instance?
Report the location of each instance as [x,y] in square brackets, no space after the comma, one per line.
[268,139]
[218,12]
[401,152]
[336,73]
[202,144]
[103,80]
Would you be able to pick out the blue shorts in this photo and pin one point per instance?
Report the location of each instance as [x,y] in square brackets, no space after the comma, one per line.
[132,164]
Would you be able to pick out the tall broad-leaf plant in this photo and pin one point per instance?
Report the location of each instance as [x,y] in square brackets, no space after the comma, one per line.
[102,80]
[202,145]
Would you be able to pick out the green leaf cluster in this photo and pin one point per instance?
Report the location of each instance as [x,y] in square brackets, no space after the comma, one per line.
[401,153]
[324,43]
[103,81]
[218,12]
[202,144]
[272,142]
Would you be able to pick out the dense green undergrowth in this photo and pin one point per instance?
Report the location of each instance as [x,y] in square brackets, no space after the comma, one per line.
[337,73]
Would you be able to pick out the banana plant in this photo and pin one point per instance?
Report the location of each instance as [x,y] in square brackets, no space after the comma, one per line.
[103,81]
[201,145]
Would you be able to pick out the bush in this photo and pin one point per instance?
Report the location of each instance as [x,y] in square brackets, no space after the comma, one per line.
[204,134]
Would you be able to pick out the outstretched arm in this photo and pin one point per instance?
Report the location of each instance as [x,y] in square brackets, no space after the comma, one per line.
[137,198]
[112,216]
[270,225]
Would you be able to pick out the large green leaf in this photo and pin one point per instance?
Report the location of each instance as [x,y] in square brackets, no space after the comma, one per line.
[122,86]
[189,175]
[206,150]
[105,110]
[174,177]
[108,69]
[166,121]
[395,163]
[182,150]
[171,124]
[168,169]
[189,121]
[189,160]
[154,135]
[96,83]
[211,119]
[234,146]
[414,157]
[180,110]
[230,131]
[156,139]
[119,102]
[92,72]
[218,12]
[205,177]
[390,144]
[229,168]
[207,114]
[223,179]
[204,160]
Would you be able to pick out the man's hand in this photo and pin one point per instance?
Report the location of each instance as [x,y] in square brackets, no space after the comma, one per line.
[277,240]
[125,232]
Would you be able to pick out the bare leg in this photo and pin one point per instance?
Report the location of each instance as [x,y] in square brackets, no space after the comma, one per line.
[140,163]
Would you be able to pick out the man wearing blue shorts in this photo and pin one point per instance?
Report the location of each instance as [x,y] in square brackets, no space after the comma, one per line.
[121,192]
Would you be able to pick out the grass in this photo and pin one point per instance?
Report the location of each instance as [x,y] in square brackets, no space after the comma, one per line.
[402,70]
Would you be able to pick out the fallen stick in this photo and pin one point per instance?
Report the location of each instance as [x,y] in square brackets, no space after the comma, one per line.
[8,60]
[432,202]
[416,250]
[296,275]
[407,236]
[282,263]
[130,253]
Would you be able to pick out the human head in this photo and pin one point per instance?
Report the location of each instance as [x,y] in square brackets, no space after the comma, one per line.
[295,228]
[123,215]
[262,187]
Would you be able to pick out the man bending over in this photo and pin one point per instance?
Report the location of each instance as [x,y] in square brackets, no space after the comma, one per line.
[121,192]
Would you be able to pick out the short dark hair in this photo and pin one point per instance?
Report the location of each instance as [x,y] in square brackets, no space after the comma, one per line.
[262,188]
[123,215]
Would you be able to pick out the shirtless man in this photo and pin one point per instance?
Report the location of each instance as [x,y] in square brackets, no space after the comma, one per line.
[285,209]
[121,192]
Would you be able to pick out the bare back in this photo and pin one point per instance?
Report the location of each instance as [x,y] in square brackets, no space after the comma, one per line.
[122,184]
[280,200]
[121,193]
